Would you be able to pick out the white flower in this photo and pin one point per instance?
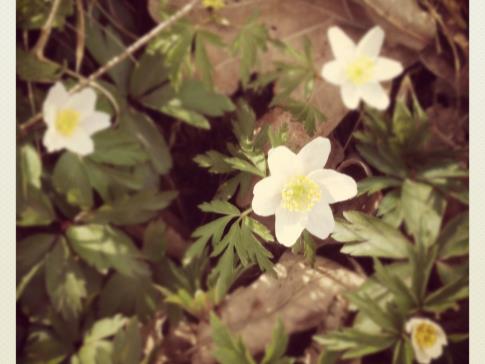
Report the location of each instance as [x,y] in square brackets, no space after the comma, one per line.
[358,69]
[71,120]
[427,339]
[298,191]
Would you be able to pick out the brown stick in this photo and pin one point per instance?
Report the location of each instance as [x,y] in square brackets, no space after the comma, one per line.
[120,57]
[38,49]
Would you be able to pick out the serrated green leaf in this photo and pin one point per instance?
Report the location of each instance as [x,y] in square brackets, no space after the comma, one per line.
[227,349]
[43,346]
[151,139]
[453,239]
[30,166]
[403,352]
[371,185]
[250,41]
[214,161]
[220,207]
[259,229]
[117,147]
[65,281]
[447,295]
[104,328]
[149,73]
[134,209]
[34,208]
[104,247]
[245,166]
[277,347]
[31,69]
[364,235]
[128,345]
[423,210]
[71,180]
[154,240]
[129,296]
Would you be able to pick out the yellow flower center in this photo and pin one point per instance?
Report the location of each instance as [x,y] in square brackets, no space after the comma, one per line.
[360,70]
[426,335]
[300,194]
[214,4]
[67,121]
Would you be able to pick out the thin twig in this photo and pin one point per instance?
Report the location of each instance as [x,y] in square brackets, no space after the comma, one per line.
[120,57]
[80,35]
[38,49]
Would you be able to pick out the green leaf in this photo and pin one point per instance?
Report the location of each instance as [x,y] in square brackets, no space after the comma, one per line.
[34,208]
[403,296]
[31,69]
[447,295]
[422,260]
[117,147]
[198,97]
[70,179]
[104,328]
[356,343]
[154,243]
[364,235]
[248,246]
[259,229]
[390,210]
[32,14]
[304,113]
[373,311]
[43,346]
[214,161]
[403,353]
[386,164]
[149,73]
[31,250]
[202,60]
[371,185]
[103,43]
[104,247]
[134,209]
[152,140]
[309,248]
[30,166]
[453,239]
[227,349]
[220,207]
[100,351]
[65,281]
[128,345]
[276,349]
[244,166]
[250,41]
[423,210]
[129,296]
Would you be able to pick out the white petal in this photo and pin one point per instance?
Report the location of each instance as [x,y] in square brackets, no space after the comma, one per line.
[314,154]
[95,122]
[288,226]
[342,46]
[83,101]
[386,69]
[56,97]
[435,351]
[371,44]
[80,143]
[421,356]
[267,196]
[375,95]
[350,95]
[333,72]
[336,186]
[52,140]
[283,162]
[320,221]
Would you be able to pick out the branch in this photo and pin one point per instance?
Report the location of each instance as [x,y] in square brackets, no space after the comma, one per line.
[119,58]
[38,49]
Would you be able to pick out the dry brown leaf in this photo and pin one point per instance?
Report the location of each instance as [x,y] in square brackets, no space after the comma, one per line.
[301,296]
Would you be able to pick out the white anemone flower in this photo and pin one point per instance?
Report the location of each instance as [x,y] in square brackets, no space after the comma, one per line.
[427,339]
[71,120]
[298,191]
[358,69]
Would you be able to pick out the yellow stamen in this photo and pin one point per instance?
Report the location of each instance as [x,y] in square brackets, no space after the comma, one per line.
[67,121]
[360,70]
[214,4]
[300,194]
[426,335]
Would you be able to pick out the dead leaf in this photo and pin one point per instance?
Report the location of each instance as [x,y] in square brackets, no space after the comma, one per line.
[303,297]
